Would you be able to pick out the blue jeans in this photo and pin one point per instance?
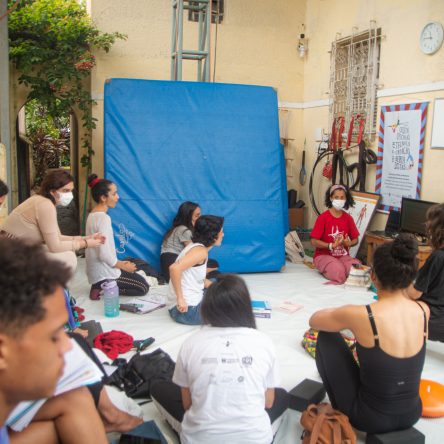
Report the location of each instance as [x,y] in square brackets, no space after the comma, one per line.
[190,317]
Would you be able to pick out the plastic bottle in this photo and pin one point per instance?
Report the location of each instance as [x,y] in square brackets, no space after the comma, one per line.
[110,298]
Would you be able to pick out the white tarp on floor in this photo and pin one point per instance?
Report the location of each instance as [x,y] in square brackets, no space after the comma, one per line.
[298,283]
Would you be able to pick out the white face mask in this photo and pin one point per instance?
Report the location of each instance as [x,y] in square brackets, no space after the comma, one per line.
[65,199]
[338,204]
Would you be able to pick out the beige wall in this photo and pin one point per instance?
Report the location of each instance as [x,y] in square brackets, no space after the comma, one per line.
[402,65]
[257,45]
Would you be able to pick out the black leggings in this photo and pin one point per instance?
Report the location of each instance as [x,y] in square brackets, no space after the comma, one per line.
[167,259]
[436,323]
[341,377]
[168,395]
[130,284]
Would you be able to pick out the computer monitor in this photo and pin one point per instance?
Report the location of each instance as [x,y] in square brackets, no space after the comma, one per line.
[413,216]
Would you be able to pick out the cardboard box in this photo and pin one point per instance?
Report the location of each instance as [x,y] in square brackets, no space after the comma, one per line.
[295,217]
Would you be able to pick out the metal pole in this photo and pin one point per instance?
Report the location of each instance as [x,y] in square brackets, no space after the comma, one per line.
[180,42]
[5,135]
[201,38]
[208,41]
[174,43]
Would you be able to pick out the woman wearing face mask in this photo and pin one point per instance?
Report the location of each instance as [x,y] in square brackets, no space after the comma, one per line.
[102,263]
[333,234]
[35,220]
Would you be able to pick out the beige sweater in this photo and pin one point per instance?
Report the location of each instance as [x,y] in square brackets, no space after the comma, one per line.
[35,220]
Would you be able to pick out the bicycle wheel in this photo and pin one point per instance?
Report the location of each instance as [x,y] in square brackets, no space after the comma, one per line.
[319,184]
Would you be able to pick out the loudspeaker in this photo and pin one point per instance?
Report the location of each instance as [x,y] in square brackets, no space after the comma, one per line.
[393,222]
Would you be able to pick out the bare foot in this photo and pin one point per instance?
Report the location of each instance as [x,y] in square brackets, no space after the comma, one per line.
[114,419]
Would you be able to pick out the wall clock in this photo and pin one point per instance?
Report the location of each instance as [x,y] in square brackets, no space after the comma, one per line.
[431,38]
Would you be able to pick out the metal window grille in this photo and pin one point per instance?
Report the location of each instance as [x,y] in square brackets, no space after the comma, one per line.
[217,11]
[354,75]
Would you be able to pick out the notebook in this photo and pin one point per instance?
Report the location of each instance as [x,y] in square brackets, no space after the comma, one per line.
[144,305]
[79,371]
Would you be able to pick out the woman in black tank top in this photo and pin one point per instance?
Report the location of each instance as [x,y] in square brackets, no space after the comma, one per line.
[381,394]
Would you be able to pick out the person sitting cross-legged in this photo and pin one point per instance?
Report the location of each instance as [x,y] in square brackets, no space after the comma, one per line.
[381,394]
[188,272]
[225,382]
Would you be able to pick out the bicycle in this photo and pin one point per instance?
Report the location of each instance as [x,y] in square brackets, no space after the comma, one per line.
[349,175]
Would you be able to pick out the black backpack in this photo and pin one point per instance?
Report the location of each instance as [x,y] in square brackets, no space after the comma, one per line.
[136,376]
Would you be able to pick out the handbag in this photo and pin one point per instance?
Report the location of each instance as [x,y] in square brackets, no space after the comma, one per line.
[294,249]
[324,425]
[137,376]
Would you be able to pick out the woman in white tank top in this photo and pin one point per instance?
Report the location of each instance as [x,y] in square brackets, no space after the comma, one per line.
[188,273]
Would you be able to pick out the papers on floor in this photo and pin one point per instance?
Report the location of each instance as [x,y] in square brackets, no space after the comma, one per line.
[146,304]
[79,371]
[289,306]
[261,309]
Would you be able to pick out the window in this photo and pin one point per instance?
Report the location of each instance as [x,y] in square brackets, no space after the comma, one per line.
[217,11]
[354,75]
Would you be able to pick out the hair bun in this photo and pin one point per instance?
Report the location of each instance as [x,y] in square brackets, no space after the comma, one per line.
[405,248]
[91,177]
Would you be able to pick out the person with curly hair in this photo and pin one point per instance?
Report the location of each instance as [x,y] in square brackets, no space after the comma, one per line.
[429,284]
[333,234]
[33,343]
[381,394]
[188,272]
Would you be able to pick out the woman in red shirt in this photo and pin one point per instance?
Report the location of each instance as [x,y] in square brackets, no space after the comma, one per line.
[333,234]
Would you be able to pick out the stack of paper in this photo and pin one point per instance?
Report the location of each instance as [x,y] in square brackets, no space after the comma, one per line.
[79,371]
[289,306]
[261,309]
[145,304]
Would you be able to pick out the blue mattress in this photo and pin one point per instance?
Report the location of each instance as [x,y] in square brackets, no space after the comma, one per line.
[210,143]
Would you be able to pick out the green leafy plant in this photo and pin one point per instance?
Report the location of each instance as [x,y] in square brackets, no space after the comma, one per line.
[49,137]
[51,44]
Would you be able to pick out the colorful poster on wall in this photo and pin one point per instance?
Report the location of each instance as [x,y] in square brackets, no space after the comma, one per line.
[400,153]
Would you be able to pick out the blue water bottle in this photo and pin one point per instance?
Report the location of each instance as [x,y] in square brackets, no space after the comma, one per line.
[110,298]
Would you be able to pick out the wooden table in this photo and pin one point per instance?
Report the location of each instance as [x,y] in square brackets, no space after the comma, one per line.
[373,240]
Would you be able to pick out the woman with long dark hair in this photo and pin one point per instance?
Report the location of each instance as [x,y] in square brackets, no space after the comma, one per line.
[102,263]
[178,236]
[224,383]
[381,394]
[35,220]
